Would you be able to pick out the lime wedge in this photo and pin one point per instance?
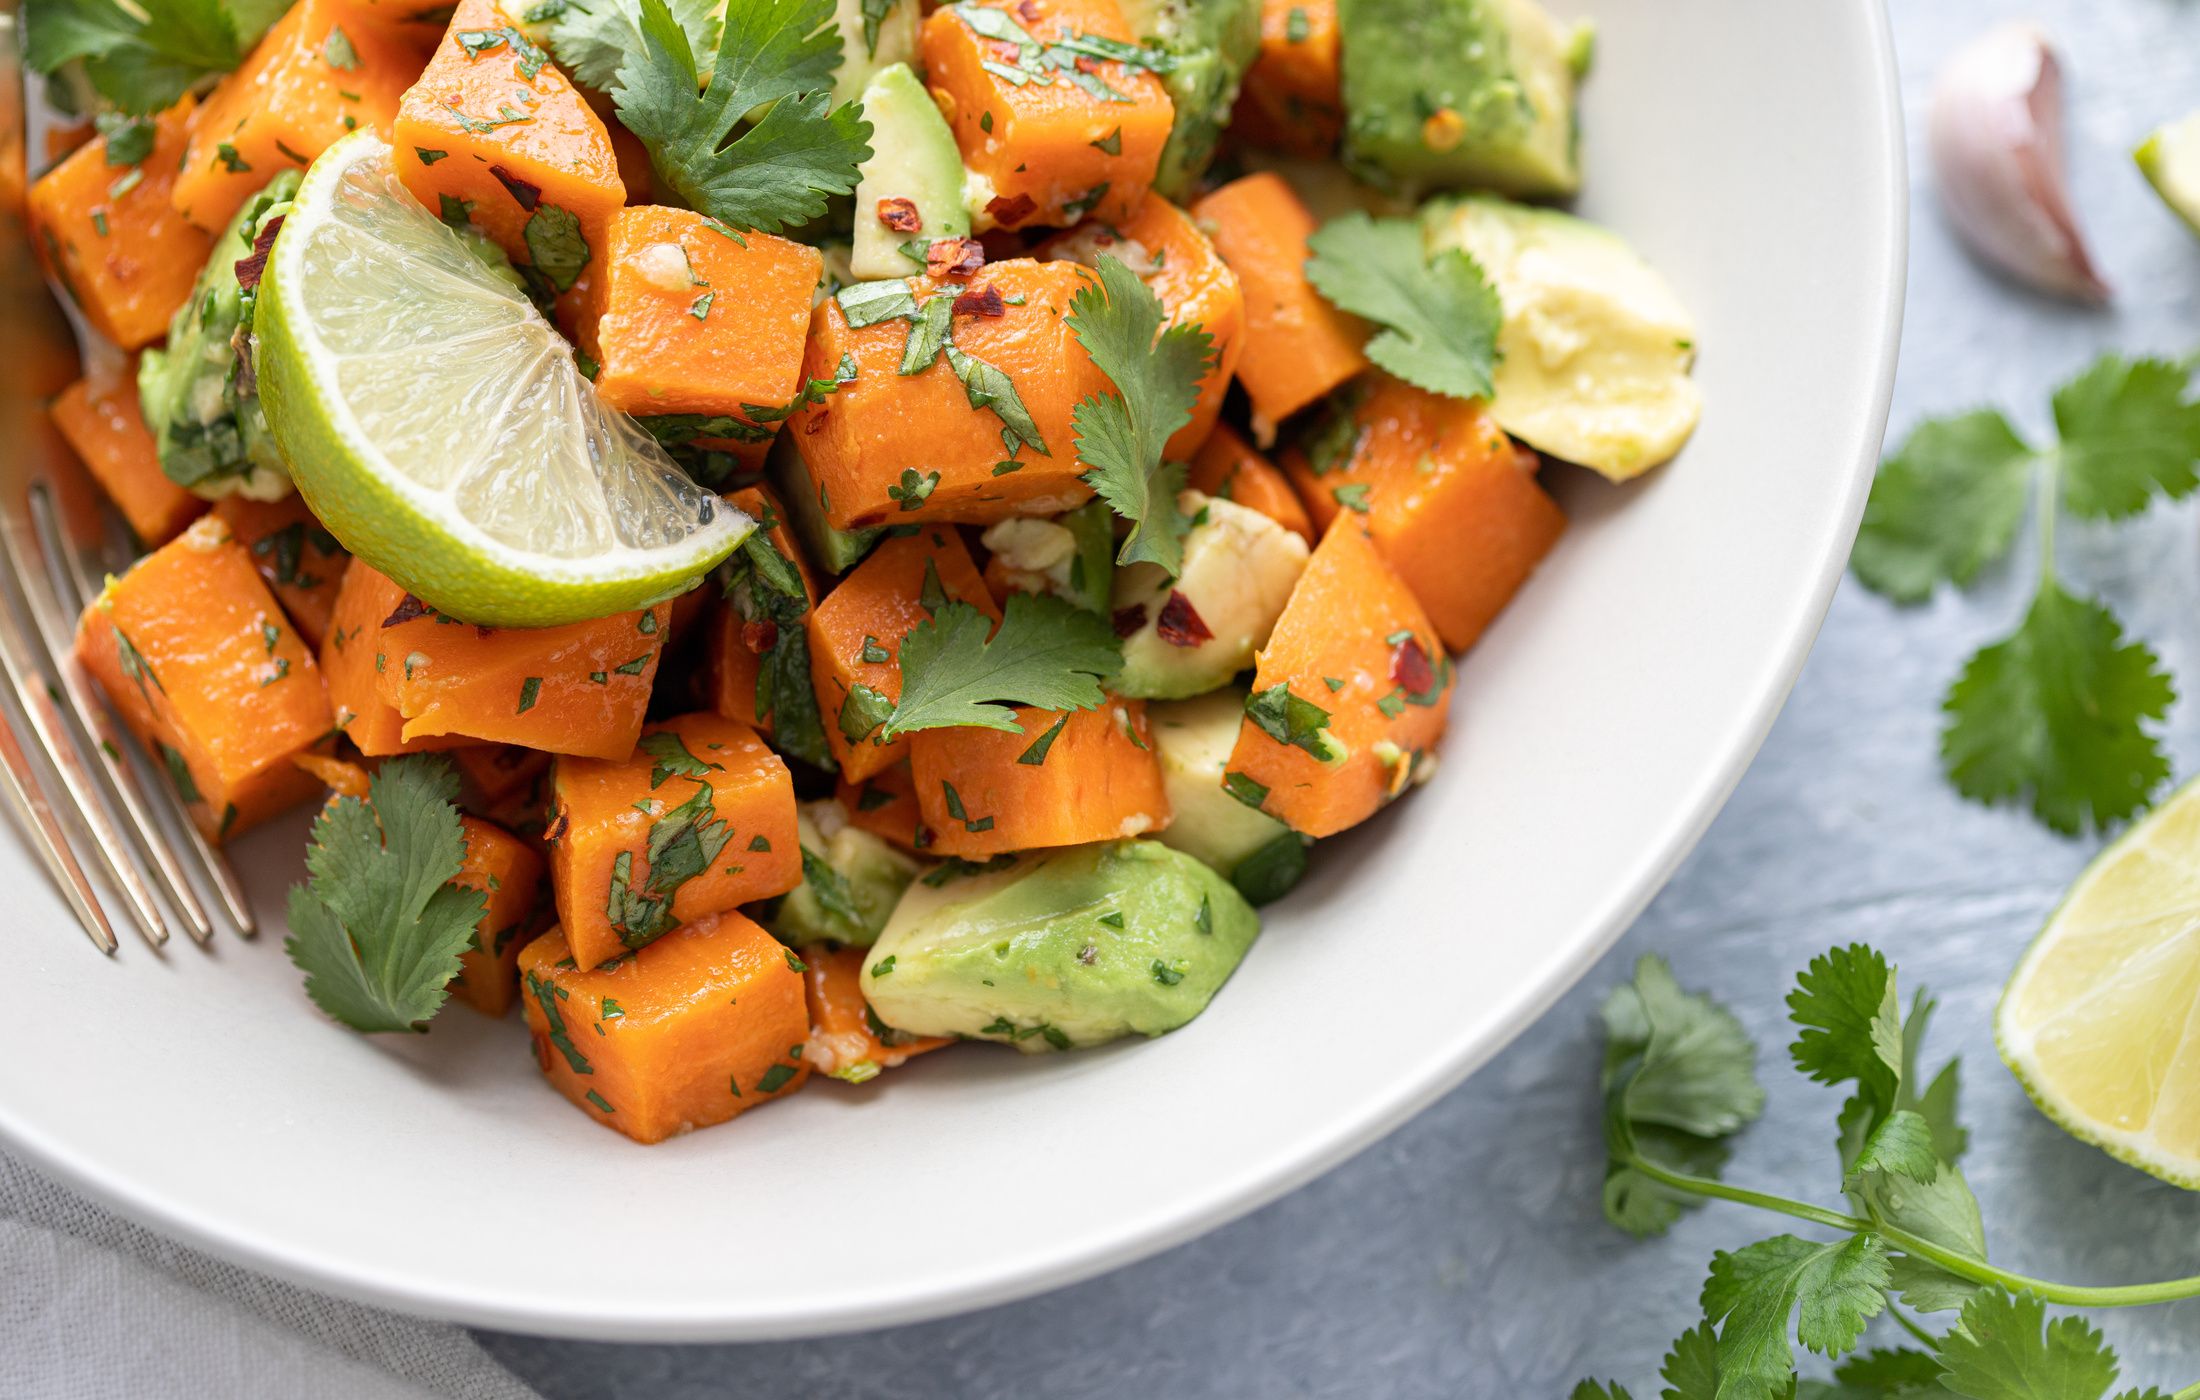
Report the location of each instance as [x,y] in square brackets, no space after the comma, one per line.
[2101,1020]
[438,424]
[2170,159]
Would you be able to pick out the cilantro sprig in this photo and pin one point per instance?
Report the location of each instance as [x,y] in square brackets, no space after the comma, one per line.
[142,59]
[592,38]
[777,55]
[1439,316]
[2059,713]
[378,926]
[1047,652]
[1679,1080]
[1121,436]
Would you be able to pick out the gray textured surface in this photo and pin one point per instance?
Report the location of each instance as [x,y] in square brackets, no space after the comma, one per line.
[1464,1256]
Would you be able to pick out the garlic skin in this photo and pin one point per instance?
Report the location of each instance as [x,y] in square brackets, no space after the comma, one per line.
[1997,143]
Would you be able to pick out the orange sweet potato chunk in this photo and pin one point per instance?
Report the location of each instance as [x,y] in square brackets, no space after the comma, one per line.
[301,561]
[1290,100]
[493,126]
[197,658]
[508,873]
[884,804]
[1097,780]
[707,1022]
[311,79]
[113,240]
[1227,466]
[1053,151]
[889,448]
[687,319]
[736,646]
[698,819]
[856,633]
[364,598]
[579,688]
[847,1040]
[1351,621]
[102,423]
[1297,346]
[1451,503]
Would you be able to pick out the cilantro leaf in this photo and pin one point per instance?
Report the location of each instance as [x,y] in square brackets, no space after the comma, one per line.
[1047,652]
[783,168]
[1831,1289]
[1901,1144]
[2057,711]
[681,845]
[1121,436]
[1439,316]
[592,40]
[1851,1023]
[2128,433]
[2006,1349]
[1944,506]
[1880,1375]
[1592,1390]
[140,64]
[378,928]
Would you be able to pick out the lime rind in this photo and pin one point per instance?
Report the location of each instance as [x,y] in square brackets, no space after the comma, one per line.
[438,425]
[2170,159]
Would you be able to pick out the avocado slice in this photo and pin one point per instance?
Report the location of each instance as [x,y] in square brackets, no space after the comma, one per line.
[1194,632]
[874,34]
[1448,93]
[1071,556]
[829,547]
[1595,348]
[196,393]
[851,881]
[1059,949]
[913,158]
[1213,43]
[1192,740]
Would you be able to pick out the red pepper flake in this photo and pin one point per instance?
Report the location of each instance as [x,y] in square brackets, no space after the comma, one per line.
[1028,10]
[954,259]
[760,637]
[482,633]
[557,828]
[1409,668]
[1180,624]
[1010,210]
[407,610]
[249,268]
[1129,620]
[815,422]
[981,301]
[900,215]
[526,192]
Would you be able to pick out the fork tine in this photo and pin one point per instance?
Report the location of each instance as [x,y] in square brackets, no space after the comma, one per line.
[20,784]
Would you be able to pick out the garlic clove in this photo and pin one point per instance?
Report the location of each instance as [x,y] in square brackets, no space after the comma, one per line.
[1997,143]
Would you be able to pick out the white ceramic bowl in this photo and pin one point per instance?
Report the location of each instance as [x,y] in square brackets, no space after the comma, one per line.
[1752,151]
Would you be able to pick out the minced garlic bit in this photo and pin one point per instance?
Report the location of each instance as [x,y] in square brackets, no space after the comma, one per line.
[665,267]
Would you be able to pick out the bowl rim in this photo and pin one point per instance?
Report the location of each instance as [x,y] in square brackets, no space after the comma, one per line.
[1228,1198]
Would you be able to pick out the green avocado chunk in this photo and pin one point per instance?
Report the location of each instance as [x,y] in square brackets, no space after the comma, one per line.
[851,881]
[873,34]
[1060,949]
[829,547]
[1192,740]
[1186,635]
[916,168]
[197,392]
[1450,93]
[1213,43]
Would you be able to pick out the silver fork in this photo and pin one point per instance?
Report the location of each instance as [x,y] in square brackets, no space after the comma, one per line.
[60,539]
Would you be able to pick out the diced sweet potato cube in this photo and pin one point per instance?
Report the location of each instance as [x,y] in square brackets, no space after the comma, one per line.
[310,80]
[1228,467]
[737,645]
[888,448]
[111,237]
[579,688]
[1054,149]
[493,129]
[1290,100]
[301,561]
[364,598]
[856,634]
[706,1022]
[102,423]
[847,1039]
[884,804]
[509,875]
[981,792]
[491,774]
[1297,346]
[1162,244]
[698,819]
[1452,504]
[690,319]
[197,658]
[1353,643]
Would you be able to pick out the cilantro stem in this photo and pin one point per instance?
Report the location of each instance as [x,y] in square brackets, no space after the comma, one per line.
[2044,507]
[2190,1392]
[1915,1328]
[2065,1294]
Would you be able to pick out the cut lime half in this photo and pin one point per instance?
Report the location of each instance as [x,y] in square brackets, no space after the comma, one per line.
[2170,159]
[2101,1020]
[438,425]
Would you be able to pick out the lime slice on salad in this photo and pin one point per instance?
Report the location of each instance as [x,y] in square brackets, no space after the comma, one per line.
[2170,159]
[2101,1020]
[440,428]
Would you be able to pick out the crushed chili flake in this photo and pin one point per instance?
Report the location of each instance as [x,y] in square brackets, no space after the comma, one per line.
[526,192]
[250,267]
[981,301]
[407,610]
[1129,620]
[1409,667]
[954,258]
[1180,624]
[1028,10]
[1011,209]
[900,214]
[760,637]
[557,829]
